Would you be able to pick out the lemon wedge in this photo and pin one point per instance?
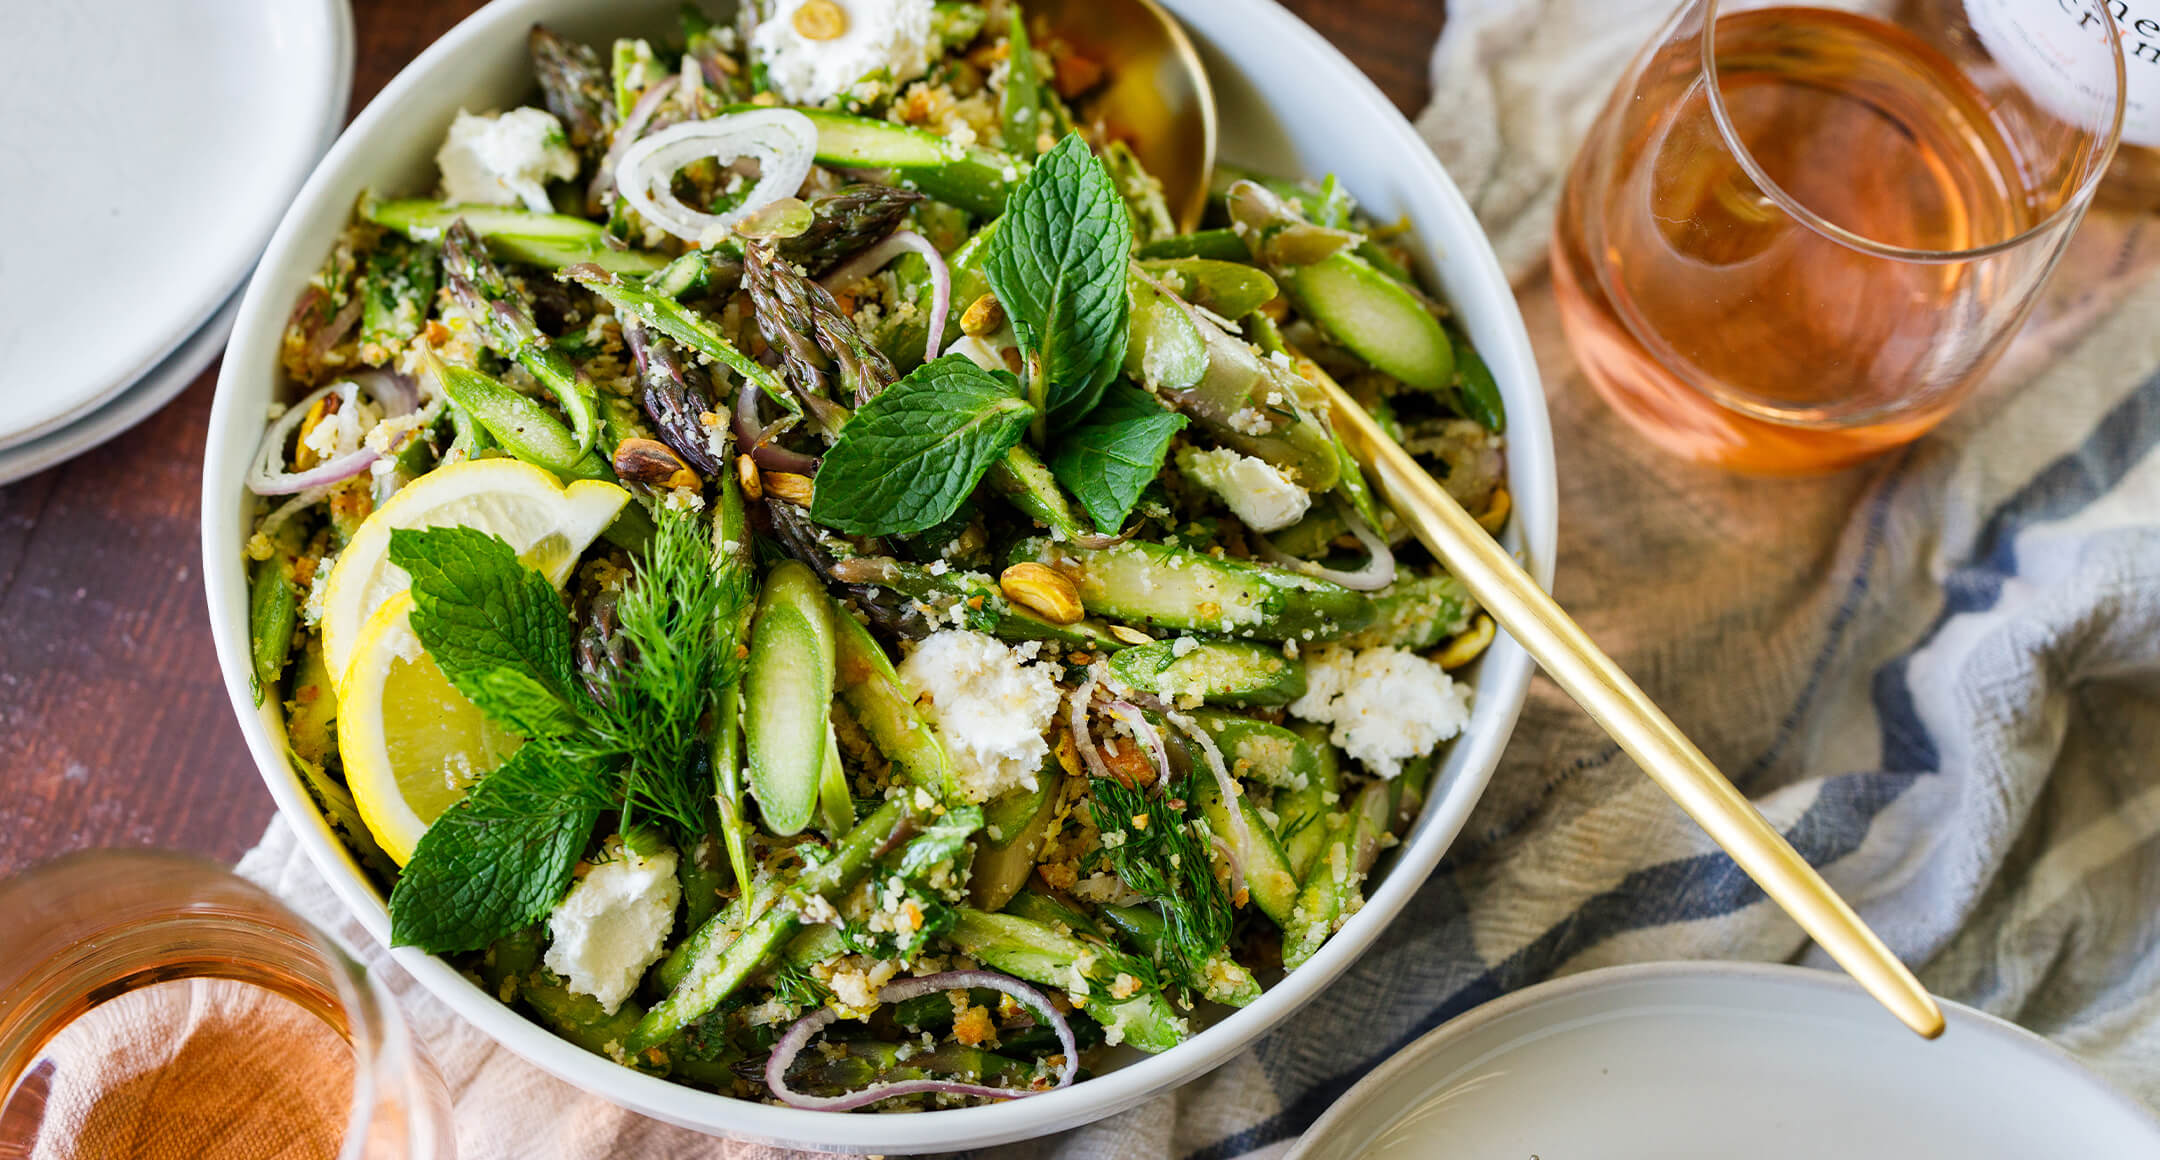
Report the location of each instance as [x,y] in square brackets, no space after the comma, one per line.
[547,524]
[412,744]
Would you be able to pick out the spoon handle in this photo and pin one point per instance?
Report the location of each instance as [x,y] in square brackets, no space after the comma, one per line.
[1582,669]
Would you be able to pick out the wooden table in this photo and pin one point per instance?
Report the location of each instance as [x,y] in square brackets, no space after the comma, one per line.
[114,727]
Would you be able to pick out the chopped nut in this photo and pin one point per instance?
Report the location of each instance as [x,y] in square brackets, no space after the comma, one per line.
[746,473]
[652,462]
[1496,511]
[437,333]
[1011,355]
[1130,635]
[984,316]
[821,20]
[1468,646]
[1043,591]
[787,485]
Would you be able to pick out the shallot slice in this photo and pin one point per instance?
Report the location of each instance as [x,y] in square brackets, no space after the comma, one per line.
[798,1036]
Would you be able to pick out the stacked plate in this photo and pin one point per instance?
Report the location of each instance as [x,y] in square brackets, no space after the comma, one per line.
[1708,1061]
[151,147]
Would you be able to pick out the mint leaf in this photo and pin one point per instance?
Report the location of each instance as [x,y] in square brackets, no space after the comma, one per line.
[1057,264]
[912,455]
[497,628]
[1109,459]
[500,859]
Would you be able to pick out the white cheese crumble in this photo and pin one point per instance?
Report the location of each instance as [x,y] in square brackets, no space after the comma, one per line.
[990,707]
[614,924]
[884,42]
[505,159]
[1385,705]
[1256,490]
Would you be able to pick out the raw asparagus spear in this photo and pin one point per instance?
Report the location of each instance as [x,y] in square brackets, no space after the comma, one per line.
[1330,890]
[823,355]
[506,319]
[550,241]
[397,287]
[1170,587]
[1039,954]
[787,695]
[716,974]
[574,82]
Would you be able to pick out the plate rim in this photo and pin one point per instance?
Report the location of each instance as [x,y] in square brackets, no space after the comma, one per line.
[1339,1116]
[219,294]
[144,397]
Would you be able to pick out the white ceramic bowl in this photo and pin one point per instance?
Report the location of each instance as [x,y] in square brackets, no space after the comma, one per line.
[1289,103]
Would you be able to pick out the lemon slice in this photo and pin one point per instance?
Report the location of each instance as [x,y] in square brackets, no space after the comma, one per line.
[412,744]
[547,524]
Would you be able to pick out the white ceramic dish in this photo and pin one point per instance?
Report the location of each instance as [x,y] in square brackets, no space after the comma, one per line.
[1289,102]
[160,141]
[1704,1061]
[139,401]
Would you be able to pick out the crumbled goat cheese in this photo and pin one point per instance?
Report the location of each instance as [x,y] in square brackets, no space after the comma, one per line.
[885,42]
[1385,705]
[1256,490]
[614,924]
[990,708]
[505,159]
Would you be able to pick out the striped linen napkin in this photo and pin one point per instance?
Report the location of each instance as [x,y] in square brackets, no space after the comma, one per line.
[1938,673]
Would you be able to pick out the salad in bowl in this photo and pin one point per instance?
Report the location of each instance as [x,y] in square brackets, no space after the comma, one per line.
[796,574]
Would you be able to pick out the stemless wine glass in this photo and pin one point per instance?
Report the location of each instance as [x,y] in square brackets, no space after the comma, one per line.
[1798,234]
[113,926]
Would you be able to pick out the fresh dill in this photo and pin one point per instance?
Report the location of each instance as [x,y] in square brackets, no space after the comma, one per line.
[1163,854]
[677,618]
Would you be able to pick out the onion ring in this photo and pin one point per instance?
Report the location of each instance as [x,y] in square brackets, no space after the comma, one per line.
[798,1036]
[782,141]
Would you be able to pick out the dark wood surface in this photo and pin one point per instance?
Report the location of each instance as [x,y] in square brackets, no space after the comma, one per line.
[114,727]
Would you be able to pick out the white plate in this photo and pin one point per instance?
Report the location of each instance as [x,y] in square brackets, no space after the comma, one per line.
[1290,102]
[131,406]
[150,148]
[1695,1061]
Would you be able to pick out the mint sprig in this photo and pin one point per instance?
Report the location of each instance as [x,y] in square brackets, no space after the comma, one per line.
[500,859]
[911,456]
[1057,264]
[1111,457]
[496,628]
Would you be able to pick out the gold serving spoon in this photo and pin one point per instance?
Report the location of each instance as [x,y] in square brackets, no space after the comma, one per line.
[1155,94]
[1158,95]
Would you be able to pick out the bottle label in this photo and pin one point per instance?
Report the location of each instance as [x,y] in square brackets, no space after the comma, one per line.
[2052,48]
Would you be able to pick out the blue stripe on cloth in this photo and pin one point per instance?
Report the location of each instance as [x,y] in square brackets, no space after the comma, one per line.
[2124,436]
[1710,885]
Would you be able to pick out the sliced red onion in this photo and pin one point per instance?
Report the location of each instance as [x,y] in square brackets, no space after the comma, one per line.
[290,508]
[1083,736]
[334,331]
[782,141]
[1379,569]
[755,438]
[393,393]
[875,258]
[1223,782]
[1150,738]
[804,1029]
[267,476]
[1230,859]
[633,127]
